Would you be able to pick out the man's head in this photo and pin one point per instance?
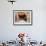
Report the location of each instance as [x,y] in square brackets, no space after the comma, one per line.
[22,16]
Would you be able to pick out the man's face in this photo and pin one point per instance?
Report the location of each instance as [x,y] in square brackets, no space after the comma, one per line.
[22,16]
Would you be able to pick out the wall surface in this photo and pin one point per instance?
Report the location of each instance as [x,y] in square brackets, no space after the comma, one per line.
[38,29]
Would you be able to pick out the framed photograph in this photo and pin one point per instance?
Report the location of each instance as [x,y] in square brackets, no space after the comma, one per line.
[22,17]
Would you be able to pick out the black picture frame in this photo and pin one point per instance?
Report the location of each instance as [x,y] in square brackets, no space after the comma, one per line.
[15,11]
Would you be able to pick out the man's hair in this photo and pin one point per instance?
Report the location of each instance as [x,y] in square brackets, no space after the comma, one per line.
[23,17]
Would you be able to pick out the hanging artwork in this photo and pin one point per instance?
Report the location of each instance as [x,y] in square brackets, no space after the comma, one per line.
[22,17]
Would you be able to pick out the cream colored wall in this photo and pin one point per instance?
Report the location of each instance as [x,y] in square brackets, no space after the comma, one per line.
[38,29]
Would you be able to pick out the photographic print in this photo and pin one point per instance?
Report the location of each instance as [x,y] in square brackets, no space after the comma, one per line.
[22,16]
